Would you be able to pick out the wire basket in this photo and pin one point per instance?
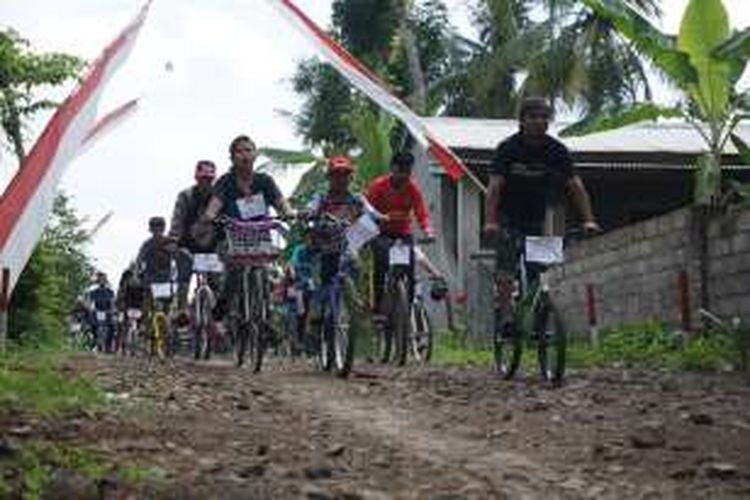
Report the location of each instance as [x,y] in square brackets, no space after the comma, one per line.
[329,235]
[253,243]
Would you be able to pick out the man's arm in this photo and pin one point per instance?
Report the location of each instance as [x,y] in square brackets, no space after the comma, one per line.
[582,201]
[177,225]
[213,209]
[492,203]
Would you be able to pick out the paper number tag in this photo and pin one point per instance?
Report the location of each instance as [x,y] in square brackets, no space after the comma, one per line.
[207,263]
[399,255]
[161,290]
[544,249]
[252,206]
[101,316]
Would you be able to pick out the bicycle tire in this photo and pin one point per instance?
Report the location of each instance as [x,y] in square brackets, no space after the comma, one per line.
[325,353]
[401,323]
[551,341]
[343,338]
[421,334]
[258,318]
[160,332]
[507,346]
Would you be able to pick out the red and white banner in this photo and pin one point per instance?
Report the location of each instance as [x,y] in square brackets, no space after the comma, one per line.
[370,84]
[27,201]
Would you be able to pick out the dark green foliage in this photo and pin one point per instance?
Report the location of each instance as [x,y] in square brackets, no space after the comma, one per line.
[57,274]
[22,74]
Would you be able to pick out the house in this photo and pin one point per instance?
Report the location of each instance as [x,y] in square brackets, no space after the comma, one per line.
[632,174]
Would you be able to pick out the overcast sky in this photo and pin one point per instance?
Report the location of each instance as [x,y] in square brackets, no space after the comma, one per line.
[231,61]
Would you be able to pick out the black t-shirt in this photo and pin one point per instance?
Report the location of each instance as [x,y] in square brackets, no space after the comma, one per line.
[227,190]
[535,178]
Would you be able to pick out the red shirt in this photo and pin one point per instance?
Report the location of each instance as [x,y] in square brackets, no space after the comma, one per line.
[398,205]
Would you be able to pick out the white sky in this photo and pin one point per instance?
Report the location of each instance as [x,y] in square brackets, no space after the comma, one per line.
[232,62]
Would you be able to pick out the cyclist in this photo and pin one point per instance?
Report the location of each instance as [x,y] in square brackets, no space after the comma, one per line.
[398,197]
[101,300]
[302,263]
[530,171]
[131,295]
[188,207]
[242,193]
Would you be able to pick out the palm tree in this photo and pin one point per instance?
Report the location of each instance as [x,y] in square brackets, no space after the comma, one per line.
[570,55]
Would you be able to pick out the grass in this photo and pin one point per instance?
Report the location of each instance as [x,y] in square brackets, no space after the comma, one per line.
[643,345]
[34,468]
[31,382]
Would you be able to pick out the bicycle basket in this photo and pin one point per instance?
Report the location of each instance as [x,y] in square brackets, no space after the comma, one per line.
[253,242]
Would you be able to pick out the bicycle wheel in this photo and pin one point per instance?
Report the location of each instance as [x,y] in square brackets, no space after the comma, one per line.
[342,335]
[201,327]
[507,346]
[400,323]
[551,341]
[421,334]
[259,317]
[160,333]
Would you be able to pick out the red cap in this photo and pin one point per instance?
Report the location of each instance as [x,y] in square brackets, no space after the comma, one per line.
[340,164]
[205,169]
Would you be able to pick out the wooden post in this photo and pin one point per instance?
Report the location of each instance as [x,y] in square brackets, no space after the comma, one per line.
[592,317]
[683,300]
[4,302]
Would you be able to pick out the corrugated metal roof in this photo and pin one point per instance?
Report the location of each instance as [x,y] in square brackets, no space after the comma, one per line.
[648,137]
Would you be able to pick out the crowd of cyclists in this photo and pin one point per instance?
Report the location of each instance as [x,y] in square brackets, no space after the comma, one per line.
[214,217]
[168,256]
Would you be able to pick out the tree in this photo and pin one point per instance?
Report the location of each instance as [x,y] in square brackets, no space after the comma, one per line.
[57,274]
[570,56]
[404,42]
[23,74]
[703,63]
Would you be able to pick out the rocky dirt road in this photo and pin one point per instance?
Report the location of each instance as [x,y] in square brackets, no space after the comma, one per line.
[442,433]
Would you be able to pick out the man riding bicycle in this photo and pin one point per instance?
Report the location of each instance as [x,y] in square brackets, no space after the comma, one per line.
[398,197]
[243,194]
[190,204]
[530,171]
[101,300]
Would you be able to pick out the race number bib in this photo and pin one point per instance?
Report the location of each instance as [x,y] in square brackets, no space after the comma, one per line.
[544,249]
[291,292]
[399,255]
[101,316]
[134,314]
[161,290]
[252,206]
[207,263]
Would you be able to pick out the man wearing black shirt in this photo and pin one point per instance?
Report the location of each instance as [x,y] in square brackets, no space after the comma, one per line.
[530,172]
[242,193]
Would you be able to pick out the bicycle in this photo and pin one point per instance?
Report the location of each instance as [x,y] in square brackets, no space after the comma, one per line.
[531,313]
[103,331]
[132,330]
[161,300]
[337,296]
[421,334]
[250,246]
[397,334]
[204,327]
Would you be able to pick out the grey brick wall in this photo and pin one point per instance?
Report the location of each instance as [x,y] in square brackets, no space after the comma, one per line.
[634,271]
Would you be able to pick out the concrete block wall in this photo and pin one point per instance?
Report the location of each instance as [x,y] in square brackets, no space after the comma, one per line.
[635,272]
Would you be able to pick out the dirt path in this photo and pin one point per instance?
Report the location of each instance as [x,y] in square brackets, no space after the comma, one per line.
[219,432]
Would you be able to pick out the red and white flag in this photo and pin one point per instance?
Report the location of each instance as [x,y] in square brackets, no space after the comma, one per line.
[370,84]
[26,204]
